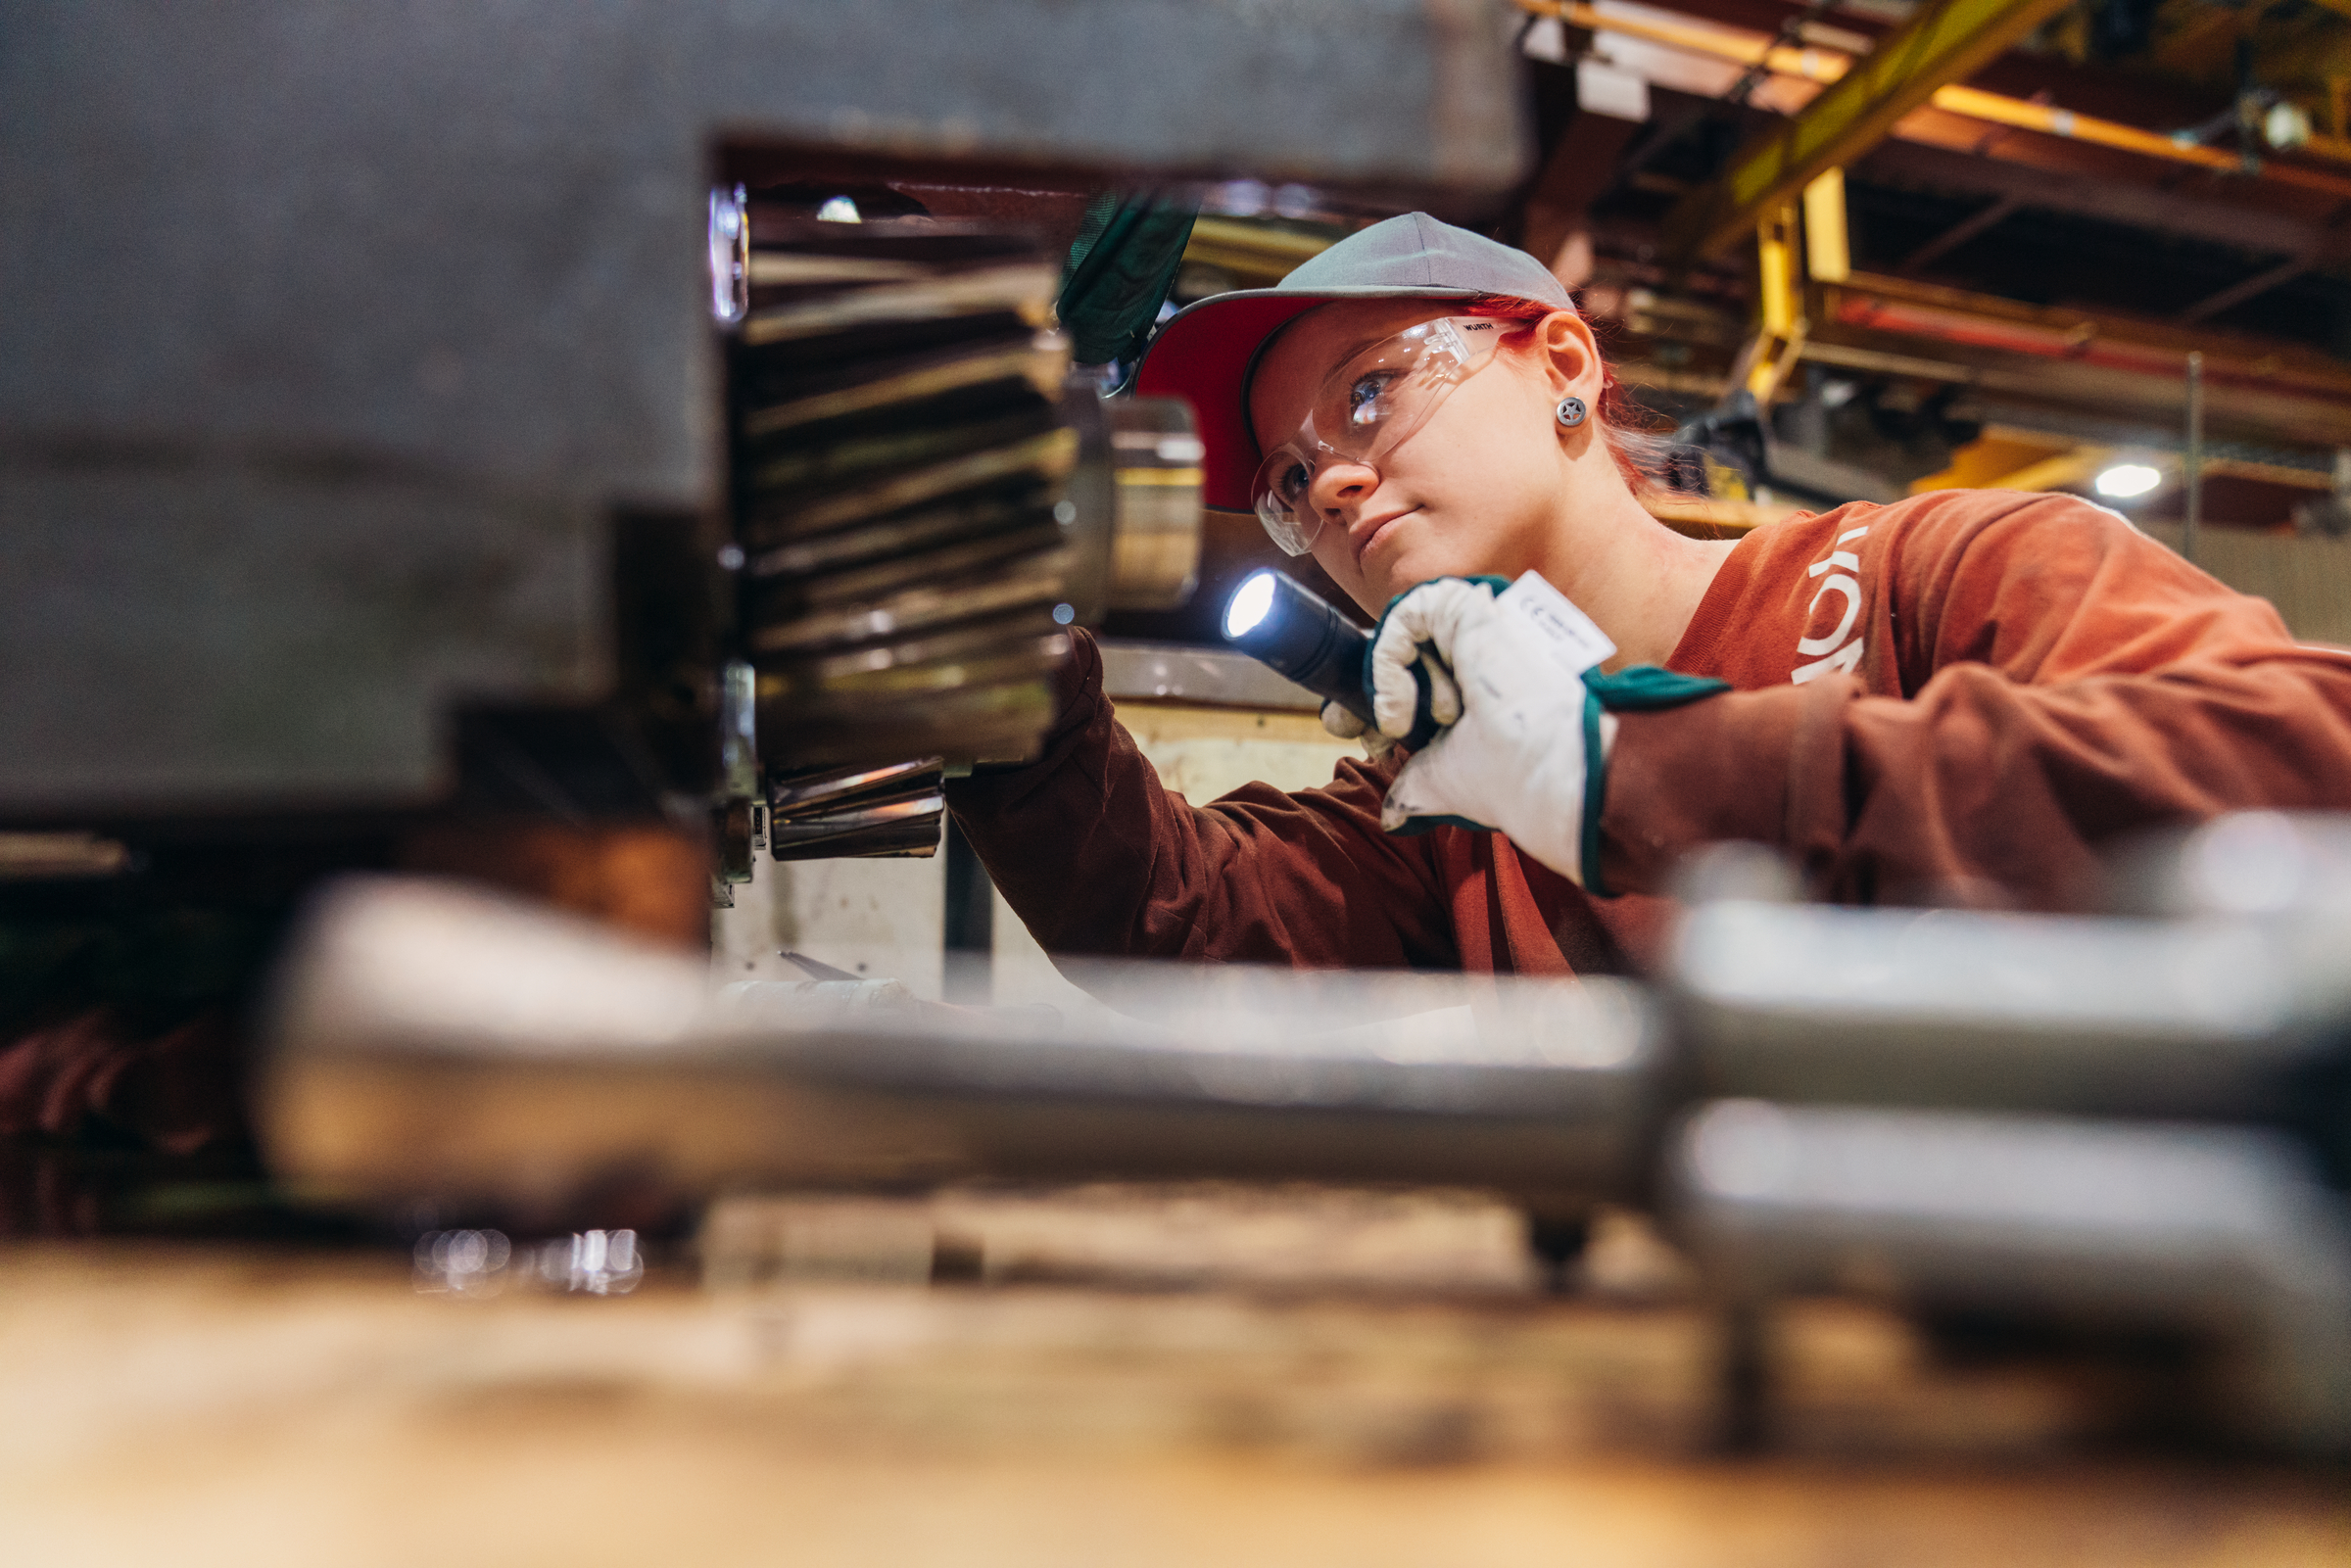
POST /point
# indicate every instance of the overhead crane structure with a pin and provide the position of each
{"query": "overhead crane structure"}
(1826, 66)
(1971, 117)
(1856, 123)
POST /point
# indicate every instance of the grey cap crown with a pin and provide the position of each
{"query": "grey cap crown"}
(1416, 252)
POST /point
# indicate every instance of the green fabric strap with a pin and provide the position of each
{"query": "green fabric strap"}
(1596, 794)
(1648, 688)
(1120, 270)
(1643, 689)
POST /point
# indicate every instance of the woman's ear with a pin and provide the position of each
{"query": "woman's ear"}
(1570, 355)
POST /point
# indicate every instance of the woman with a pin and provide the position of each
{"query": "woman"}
(1954, 697)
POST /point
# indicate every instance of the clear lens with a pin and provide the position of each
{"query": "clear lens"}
(1280, 492)
(1390, 383)
(1294, 532)
(1365, 409)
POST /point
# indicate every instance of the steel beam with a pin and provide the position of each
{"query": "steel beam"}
(1942, 43)
(1579, 168)
(1958, 234)
(2235, 216)
(2238, 293)
(2326, 249)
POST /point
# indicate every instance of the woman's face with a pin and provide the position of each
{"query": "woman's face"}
(1477, 489)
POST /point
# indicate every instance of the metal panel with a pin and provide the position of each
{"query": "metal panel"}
(269, 265)
(206, 634)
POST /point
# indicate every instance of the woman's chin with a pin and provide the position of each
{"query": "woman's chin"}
(1409, 568)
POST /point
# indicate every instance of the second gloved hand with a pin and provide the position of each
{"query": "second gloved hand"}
(1525, 741)
(1342, 721)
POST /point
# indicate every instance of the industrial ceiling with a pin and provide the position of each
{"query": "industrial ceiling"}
(2045, 211)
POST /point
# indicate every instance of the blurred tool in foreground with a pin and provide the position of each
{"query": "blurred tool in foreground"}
(2118, 1125)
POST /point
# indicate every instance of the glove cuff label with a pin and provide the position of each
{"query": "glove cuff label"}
(1575, 642)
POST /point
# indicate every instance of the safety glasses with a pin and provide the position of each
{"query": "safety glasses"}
(1365, 409)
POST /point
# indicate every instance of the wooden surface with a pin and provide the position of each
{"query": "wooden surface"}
(1084, 1399)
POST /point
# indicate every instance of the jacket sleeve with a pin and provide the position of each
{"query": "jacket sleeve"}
(1097, 857)
(2071, 680)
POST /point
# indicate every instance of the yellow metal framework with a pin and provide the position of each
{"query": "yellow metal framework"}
(1783, 320)
(1779, 331)
(1943, 42)
(1827, 256)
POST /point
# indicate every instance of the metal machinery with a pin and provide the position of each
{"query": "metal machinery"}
(349, 365)
(380, 490)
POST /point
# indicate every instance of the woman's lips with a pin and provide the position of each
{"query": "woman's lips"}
(1379, 532)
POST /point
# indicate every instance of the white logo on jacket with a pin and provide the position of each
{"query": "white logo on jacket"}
(1841, 649)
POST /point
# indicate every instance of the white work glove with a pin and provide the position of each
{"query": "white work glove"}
(1522, 745)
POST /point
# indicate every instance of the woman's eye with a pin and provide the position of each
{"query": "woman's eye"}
(1291, 484)
(1364, 397)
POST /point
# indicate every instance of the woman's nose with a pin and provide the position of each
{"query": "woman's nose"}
(1341, 484)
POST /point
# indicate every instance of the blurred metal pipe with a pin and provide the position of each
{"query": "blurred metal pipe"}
(2226, 1236)
(2196, 456)
(433, 1042)
(2205, 1018)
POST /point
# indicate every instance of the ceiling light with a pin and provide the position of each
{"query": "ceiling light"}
(2125, 480)
(2284, 126)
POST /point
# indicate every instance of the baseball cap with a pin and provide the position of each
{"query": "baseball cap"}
(1205, 353)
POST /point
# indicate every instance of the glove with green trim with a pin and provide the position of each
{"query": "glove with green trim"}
(1524, 718)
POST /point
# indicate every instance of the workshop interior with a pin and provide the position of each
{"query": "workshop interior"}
(515, 520)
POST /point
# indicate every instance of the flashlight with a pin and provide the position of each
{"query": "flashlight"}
(1279, 620)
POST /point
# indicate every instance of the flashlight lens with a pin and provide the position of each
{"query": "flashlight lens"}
(1248, 604)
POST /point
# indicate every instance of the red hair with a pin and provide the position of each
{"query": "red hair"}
(1640, 454)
